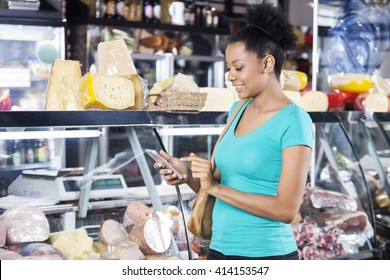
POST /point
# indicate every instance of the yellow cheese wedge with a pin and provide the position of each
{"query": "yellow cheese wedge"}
(106, 92)
(114, 58)
(63, 86)
(293, 80)
(350, 82)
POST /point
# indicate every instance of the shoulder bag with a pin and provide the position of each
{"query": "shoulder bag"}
(200, 221)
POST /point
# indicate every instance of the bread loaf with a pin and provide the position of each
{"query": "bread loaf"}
(63, 86)
(106, 92)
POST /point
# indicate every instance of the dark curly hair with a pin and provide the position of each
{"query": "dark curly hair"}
(267, 31)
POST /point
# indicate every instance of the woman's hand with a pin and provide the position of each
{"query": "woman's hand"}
(169, 176)
(201, 170)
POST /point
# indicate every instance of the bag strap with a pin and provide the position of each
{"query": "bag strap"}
(233, 116)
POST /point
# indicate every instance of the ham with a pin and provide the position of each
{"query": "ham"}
(152, 236)
(136, 212)
(25, 224)
(112, 233)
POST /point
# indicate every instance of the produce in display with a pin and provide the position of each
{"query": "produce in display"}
(337, 101)
(333, 225)
(114, 58)
(106, 92)
(136, 212)
(112, 233)
(293, 80)
(177, 93)
(63, 86)
(3, 234)
(25, 224)
(160, 42)
(74, 245)
(371, 102)
(126, 250)
(314, 101)
(42, 250)
(350, 82)
(218, 99)
(152, 236)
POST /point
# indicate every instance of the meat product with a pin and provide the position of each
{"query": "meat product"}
(309, 252)
(9, 255)
(349, 222)
(323, 199)
(327, 239)
(3, 234)
(136, 212)
(25, 224)
(127, 250)
(112, 233)
(39, 249)
(153, 236)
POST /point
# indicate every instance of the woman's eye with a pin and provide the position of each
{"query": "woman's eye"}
(239, 68)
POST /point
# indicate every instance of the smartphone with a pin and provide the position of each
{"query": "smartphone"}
(158, 158)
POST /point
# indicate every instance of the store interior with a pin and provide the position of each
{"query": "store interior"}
(83, 168)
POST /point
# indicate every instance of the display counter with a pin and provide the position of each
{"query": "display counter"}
(122, 136)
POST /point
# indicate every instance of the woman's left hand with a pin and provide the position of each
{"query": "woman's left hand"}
(202, 171)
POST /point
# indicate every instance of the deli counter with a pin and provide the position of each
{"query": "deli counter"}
(338, 218)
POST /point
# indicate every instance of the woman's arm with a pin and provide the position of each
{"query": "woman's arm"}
(282, 207)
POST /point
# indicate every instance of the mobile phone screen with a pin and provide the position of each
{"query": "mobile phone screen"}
(158, 158)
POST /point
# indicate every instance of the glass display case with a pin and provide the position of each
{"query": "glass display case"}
(27, 50)
(336, 219)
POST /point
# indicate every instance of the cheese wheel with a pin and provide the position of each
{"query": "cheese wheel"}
(314, 101)
(106, 92)
(350, 82)
(63, 86)
(293, 80)
(376, 103)
(138, 91)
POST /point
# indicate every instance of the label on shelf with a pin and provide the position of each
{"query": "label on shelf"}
(15, 77)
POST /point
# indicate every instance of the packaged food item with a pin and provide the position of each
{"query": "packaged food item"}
(350, 82)
(106, 92)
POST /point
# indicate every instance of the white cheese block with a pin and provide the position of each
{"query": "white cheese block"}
(376, 103)
(63, 86)
(314, 101)
(106, 92)
(114, 58)
(294, 96)
(218, 99)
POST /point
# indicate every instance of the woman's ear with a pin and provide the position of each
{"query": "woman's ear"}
(268, 63)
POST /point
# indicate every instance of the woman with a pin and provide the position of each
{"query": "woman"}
(263, 159)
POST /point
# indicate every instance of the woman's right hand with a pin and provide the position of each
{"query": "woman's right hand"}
(169, 176)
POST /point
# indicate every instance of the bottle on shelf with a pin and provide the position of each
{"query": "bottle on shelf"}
(110, 9)
(156, 11)
(148, 11)
(120, 9)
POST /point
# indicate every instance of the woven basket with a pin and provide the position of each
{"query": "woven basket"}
(176, 101)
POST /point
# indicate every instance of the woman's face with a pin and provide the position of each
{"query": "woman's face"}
(245, 71)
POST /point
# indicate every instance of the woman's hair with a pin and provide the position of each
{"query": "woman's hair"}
(267, 31)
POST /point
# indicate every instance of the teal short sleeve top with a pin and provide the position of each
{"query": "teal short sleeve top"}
(252, 163)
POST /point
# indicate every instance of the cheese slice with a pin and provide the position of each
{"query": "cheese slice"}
(63, 86)
(218, 99)
(106, 92)
(114, 58)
